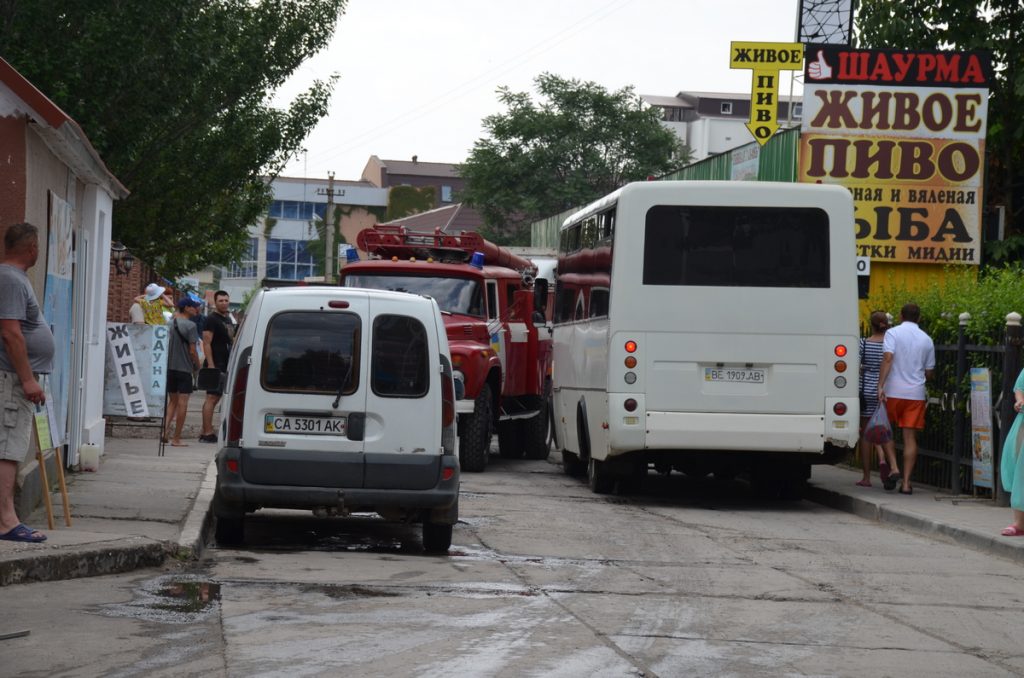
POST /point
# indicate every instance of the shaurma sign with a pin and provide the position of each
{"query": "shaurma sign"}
(905, 132)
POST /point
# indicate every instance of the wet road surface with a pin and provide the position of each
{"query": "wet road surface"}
(544, 578)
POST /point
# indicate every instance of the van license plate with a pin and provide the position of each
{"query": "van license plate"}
(328, 426)
(734, 375)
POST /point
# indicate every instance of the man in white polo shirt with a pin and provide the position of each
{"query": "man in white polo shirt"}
(908, 359)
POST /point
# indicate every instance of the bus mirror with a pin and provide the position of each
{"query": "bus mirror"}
(540, 295)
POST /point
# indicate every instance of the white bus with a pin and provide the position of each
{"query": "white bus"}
(707, 326)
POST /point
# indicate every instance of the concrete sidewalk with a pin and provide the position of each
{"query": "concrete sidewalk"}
(141, 509)
(136, 511)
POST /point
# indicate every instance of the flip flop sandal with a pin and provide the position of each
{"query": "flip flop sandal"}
(863, 483)
(890, 482)
(1012, 531)
(22, 532)
(909, 490)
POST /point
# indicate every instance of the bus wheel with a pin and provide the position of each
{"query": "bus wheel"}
(572, 465)
(534, 432)
(793, 483)
(509, 443)
(598, 477)
(476, 437)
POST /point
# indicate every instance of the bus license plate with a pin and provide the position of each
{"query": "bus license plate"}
(327, 426)
(734, 375)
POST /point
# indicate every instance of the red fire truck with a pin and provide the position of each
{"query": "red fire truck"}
(494, 315)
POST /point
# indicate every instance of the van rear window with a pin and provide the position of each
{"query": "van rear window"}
(311, 352)
(725, 246)
(401, 360)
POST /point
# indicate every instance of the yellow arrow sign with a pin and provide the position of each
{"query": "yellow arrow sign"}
(766, 59)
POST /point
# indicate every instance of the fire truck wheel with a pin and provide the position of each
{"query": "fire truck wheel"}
(534, 432)
(476, 436)
(510, 444)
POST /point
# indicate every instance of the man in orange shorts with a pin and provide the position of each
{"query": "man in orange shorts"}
(908, 359)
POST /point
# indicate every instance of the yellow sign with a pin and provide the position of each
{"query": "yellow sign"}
(766, 59)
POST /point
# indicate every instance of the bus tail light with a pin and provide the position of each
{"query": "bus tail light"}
(840, 350)
(839, 409)
(631, 361)
(630, 346)
(630, 405)
(840, 366)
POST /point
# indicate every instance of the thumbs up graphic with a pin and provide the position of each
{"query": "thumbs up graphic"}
(819, 68)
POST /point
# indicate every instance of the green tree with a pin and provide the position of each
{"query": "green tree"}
(993, 25)
(576, 144)
(175, 96)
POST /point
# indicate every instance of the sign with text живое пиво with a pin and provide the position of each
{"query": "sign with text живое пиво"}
(904, 130)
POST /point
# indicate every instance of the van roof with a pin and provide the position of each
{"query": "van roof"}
(337, 292)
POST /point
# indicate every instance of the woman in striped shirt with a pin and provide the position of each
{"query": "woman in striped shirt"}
(870, 364)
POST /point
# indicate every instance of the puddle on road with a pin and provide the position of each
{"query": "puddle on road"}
(169, 599)
(351, 591)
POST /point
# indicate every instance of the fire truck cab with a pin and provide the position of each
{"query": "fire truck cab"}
(494, 315)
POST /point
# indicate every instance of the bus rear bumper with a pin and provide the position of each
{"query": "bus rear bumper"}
(711, 431)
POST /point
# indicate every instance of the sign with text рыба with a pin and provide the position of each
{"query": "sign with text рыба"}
(905, 132)
(766, 59)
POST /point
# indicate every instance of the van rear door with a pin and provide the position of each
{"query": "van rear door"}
(309, 425)
(403, 398)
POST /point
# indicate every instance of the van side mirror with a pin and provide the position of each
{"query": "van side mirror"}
(540, 295)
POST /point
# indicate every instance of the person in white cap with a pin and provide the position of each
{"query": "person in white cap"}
(149, 306)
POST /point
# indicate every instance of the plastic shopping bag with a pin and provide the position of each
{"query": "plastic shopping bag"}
(878, 430)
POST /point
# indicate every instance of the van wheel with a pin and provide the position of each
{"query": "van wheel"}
(230, 525)
(509, 443)
(476, 437)
(437, 538)
(598, 477)
(535, 432)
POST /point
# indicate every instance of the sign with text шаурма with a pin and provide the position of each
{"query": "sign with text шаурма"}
(904, 131)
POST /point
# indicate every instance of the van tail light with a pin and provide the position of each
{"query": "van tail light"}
(237, 413)
(447, 407)
(839, 409)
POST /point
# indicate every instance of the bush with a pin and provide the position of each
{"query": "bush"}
(988, 297)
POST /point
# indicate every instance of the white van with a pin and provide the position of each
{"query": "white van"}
(340, 400)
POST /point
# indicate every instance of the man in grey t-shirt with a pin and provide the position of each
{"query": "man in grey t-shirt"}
(182, 362)
(26, 352)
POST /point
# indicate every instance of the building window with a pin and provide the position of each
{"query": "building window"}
(296, 209)
(446, 193)
(247, 265)
(288, 259)
(798, 110)
(726, 108)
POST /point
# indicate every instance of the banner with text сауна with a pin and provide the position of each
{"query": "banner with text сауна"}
(905, 132)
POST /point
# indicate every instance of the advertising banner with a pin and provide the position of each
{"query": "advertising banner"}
(905, 132)
(57, 296)
(136, 371)
(981, 426)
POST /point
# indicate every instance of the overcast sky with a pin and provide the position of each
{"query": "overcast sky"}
(417, 77)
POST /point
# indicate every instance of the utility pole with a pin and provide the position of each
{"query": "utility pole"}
(329, 230)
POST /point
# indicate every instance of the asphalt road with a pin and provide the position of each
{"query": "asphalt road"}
(685, 578)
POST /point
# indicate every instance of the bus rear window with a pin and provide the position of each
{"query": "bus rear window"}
(723, 246)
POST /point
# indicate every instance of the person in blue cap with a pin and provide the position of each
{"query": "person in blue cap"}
(182, 363)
